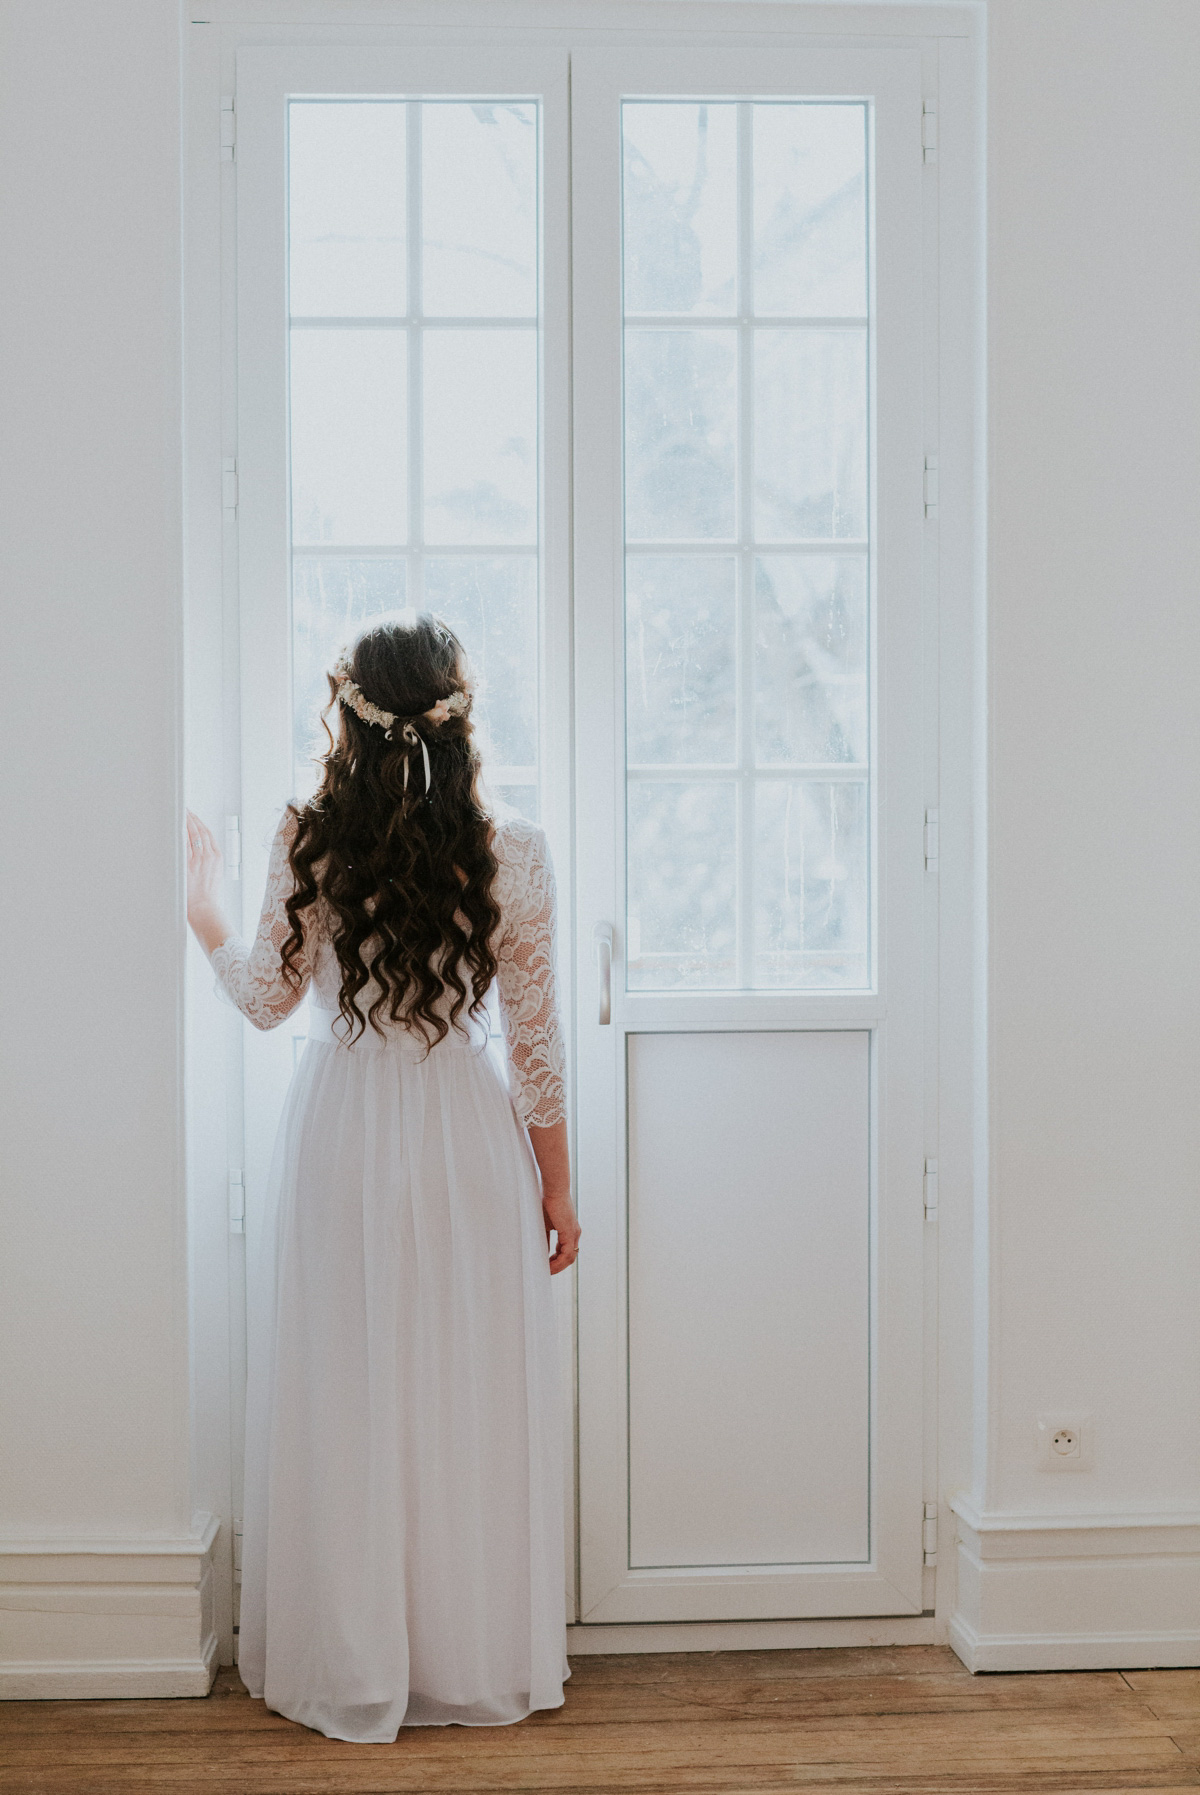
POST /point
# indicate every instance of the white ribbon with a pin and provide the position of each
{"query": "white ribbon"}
(412, 737)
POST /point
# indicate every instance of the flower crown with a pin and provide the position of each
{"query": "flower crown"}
(351, 695)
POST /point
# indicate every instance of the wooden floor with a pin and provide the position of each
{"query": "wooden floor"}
(907, 1719)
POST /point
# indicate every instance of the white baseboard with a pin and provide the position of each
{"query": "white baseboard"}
(118, 1679)
(753, 1635)
(1103, 1591)
(1074, 1651)
(90, 1619)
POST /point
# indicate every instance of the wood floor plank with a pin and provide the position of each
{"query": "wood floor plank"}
(875, 1721)
(841, 1661)
(694, 1699)
(749, 1738)
(1171, 1693)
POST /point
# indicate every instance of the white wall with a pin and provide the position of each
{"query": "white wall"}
(93, 1310)
(1095, 542)
(1094, 374)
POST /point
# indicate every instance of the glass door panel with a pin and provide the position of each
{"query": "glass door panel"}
(746, 255)
(414, 282)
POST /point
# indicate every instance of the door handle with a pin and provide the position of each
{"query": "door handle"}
(602, 935)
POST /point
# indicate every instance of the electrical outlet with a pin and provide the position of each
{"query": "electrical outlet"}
(1064, 1441)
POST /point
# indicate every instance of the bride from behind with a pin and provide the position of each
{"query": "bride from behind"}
(403, 1534)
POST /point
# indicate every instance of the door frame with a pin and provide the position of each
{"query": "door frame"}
(952, 38)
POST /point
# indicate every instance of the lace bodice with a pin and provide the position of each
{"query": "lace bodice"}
(252, 974)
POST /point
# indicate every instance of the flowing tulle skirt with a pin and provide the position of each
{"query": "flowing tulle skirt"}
(403, 1531)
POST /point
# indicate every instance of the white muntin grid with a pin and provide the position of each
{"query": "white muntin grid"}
(415, 551)
(746, 773)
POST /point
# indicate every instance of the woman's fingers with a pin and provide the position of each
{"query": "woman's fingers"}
(201, 840)
(566, 1249)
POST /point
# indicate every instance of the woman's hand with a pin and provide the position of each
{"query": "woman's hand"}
(558, 1213)
(204, 885)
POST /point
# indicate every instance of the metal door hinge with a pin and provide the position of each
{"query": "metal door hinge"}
(931, 486)
(233, 847)
(228, 127)
(229, 484)
(929, 1533)
(237, 1204)
(931, 841)
(931, 1190)
(929, 142)
(237, 1549)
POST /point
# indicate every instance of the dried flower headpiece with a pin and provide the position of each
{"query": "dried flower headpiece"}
(351, 695)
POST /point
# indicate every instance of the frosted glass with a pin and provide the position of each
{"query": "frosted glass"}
(346, 189)
(479, 209)
(331, 601)
(681, 916)
(810, 658)
(680, 434)
(810, 434)
(491, 605)
(480, 461)
(681, 658)
(810, 210)
(679, 170)
(348, 436)
(811, 908)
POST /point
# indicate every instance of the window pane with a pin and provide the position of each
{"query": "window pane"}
(480, 463)
(348, 436)
(810, 658)
(810, 922)
(331, 601)
(464, 397)
(680, 434)
(479, 210)
(681, 917)
(810, 196)
(679, 168)
(346, 193)
(681, 659)
(751, 660)
(491, 605)
(810, 434)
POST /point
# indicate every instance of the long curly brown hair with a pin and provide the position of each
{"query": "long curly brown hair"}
(405, 874)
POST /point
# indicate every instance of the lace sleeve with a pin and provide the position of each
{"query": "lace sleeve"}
(525, 977)
(252, 976)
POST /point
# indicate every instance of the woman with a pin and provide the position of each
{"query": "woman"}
(403, 1546)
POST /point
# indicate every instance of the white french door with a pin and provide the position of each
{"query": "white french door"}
(680, 531)
(748, 549)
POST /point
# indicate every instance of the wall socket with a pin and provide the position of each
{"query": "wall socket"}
(1064, 1441)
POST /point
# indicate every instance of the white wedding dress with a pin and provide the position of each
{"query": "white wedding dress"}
(403, 1520)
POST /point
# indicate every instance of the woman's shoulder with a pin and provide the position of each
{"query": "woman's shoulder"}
(519, 846)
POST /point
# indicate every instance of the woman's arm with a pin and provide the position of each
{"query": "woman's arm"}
(550, 1150)
(529, 1005)
(252, 975)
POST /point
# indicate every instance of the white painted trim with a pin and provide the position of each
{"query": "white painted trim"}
(754, 1636)
(1019, 1521)
(93, 1618)
(197, 1544)
(1074, 1651)
(1100, 1591)
(111, 1679)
